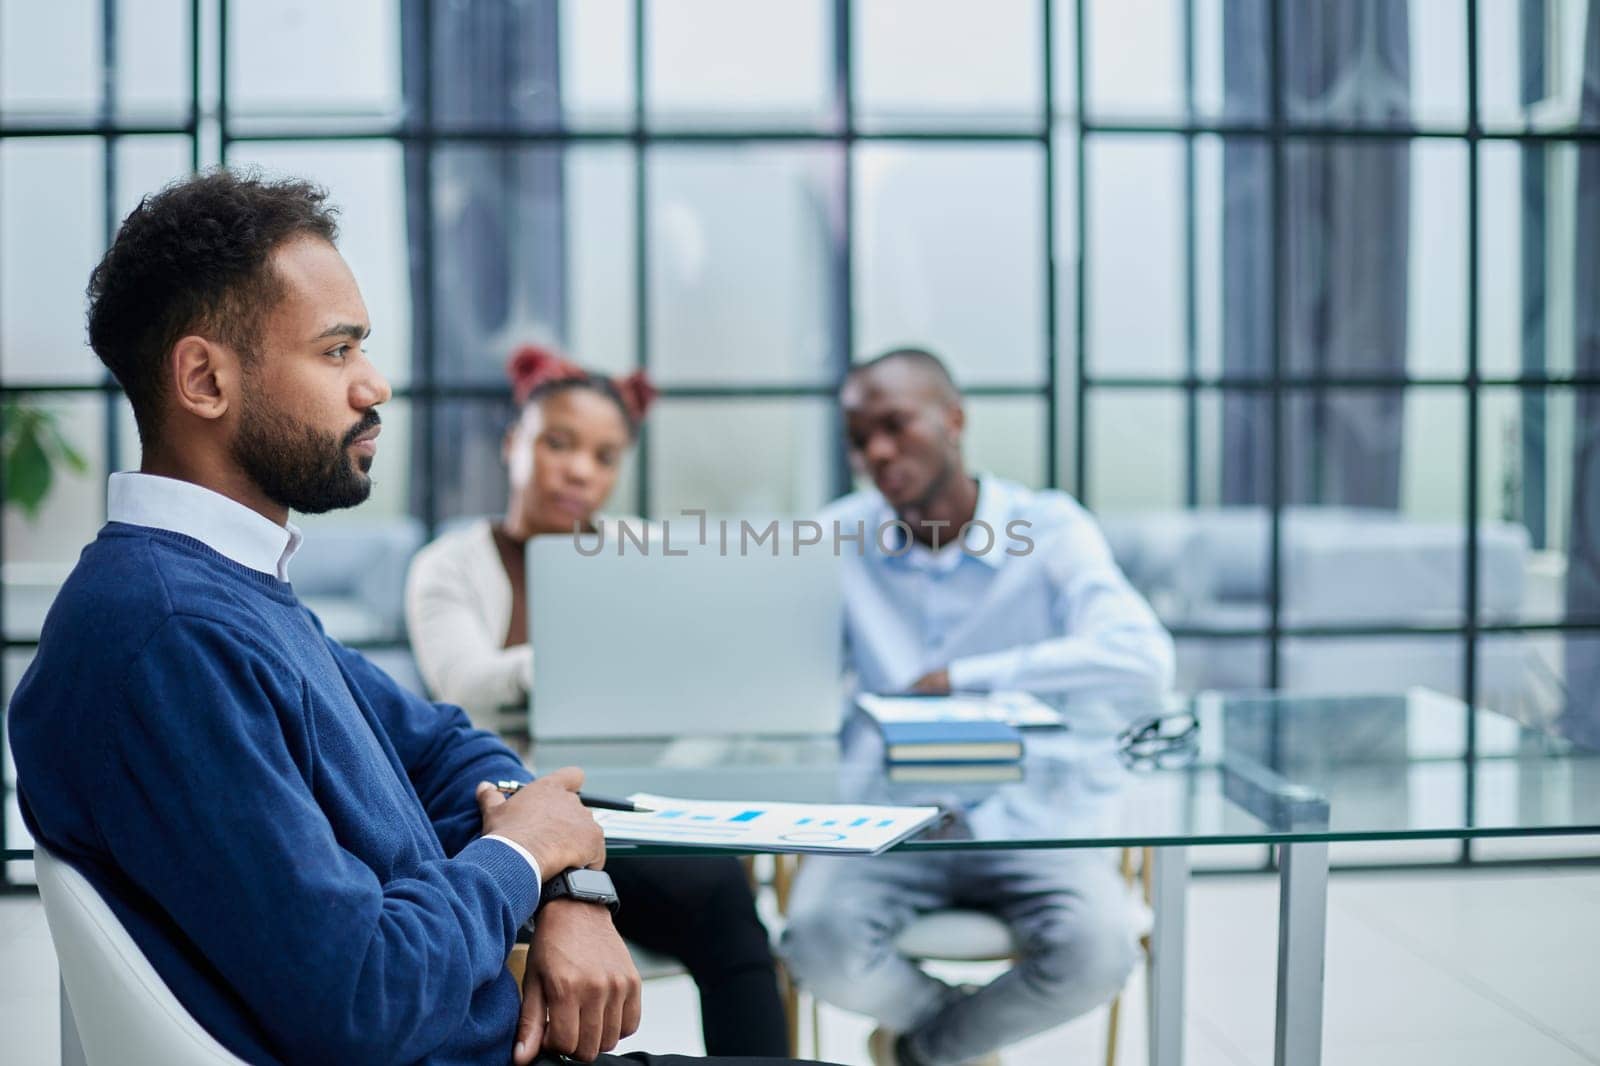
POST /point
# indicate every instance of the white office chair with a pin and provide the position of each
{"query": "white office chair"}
(957, 935)
(125, 1013)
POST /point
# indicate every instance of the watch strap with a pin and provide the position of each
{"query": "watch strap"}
(560, 887)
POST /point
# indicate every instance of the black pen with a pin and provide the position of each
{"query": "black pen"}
(588, 799)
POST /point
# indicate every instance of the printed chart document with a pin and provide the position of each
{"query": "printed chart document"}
(1019, 709)
(820, 827)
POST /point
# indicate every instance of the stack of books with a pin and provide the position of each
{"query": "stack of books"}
(953, 739)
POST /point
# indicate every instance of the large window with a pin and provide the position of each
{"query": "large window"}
(1298, 296)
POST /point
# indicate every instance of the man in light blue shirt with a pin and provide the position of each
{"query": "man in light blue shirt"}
(968, 583)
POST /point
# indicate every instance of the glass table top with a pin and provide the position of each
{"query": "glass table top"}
(1257, 769)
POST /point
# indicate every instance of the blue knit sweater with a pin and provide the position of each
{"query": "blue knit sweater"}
(287, 834)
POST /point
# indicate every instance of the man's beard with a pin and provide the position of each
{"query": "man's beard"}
(297, 466)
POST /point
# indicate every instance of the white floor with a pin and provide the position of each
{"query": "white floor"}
(1464, 969)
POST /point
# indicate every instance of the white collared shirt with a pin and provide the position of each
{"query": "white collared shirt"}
(228, 528)
(1033, 600)
(225, 526)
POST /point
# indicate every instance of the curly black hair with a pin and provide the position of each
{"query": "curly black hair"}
(193, 259)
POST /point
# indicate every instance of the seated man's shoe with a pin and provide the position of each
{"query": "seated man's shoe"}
(884, 1046)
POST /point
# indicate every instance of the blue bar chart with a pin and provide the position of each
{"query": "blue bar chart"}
(755, 827)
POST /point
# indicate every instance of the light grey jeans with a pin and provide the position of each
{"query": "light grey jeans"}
(1068, 911)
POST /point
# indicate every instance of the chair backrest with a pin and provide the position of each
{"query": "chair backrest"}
(124, 1012)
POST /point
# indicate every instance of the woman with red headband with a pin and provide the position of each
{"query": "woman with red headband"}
(466, 602)
(466, 609)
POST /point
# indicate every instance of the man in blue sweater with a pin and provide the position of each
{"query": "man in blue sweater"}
(306, 852)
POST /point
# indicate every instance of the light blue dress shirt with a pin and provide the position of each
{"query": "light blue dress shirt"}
(1044, 608)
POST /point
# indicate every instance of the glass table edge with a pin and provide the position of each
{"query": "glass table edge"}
(1138, 841)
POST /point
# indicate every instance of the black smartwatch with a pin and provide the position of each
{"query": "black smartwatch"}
(587, 886)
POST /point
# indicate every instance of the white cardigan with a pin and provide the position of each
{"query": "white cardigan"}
(458, 605)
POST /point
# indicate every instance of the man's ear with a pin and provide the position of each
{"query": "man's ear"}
(205, 377)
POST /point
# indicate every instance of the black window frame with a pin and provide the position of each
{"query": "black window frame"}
(1067, 383)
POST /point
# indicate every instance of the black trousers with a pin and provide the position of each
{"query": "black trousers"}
(700, 911)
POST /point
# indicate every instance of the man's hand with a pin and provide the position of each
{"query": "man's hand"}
(936, 683)
(580, 993)
(546, 818)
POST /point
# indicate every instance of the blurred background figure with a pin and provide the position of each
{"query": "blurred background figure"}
(466, 594)
(1000, 587)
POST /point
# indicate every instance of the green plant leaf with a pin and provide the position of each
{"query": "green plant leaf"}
(31, 444)
(28, 473)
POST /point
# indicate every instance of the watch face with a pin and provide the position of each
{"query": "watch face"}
(591, 882)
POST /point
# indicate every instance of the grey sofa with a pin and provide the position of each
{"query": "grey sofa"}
(1208, 568)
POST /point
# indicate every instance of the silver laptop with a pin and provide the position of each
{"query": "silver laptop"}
(636, 644)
